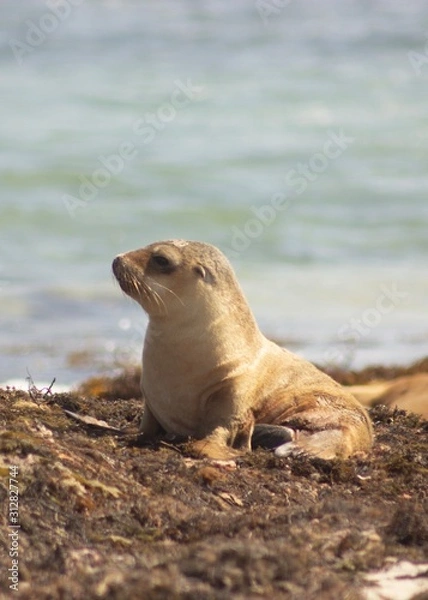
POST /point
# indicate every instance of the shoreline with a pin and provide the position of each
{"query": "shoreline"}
(403, 386)
(343, 375)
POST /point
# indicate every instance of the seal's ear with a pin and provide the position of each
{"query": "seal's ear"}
(204, 273)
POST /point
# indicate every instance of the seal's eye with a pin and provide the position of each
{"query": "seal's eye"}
(161, 261)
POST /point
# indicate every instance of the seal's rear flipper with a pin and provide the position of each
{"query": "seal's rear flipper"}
(271, 436)
(328, 444)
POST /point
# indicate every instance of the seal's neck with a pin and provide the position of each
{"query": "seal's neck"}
(212, 337)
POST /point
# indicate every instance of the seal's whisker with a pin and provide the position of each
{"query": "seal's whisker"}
(159, 300)
(135, 284)
(164, 287)
(150, 292)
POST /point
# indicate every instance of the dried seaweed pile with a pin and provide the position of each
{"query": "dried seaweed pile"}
(103, 518)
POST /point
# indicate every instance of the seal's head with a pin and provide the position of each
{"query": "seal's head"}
(173, 276)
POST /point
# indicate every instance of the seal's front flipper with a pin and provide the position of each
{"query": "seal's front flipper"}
(149, 425)
(271, 436)
(211, 449)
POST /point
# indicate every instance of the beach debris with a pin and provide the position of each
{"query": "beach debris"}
(401, 581)
(34, 392)
(92, 421)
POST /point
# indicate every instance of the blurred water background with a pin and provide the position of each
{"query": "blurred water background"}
(291, 134)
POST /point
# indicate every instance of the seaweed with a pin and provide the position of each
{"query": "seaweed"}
(104, 518)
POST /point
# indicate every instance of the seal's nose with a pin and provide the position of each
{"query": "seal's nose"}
(117, 265)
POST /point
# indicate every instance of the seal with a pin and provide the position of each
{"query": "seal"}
(209, 374)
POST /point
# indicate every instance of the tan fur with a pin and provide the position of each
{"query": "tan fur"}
(409, 393)
(210, 374)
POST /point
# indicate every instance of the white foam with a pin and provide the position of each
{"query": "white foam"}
(22, 384)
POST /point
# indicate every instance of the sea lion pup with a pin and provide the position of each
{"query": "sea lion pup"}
(210, 374)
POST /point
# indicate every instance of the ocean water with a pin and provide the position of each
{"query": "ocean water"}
(293, 135)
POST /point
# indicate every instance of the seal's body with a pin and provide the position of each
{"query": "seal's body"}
(210, 374)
